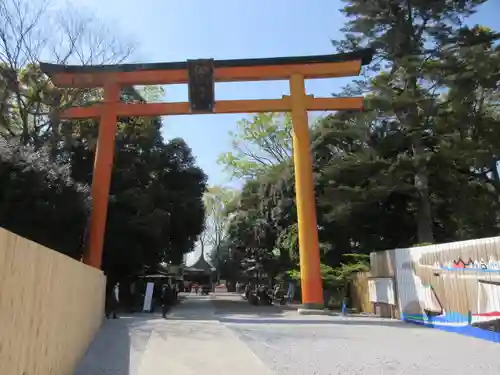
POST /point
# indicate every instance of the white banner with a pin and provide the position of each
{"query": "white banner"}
(148, 297)
(381, 290)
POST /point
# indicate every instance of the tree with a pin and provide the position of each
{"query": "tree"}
(409, 36)
(216, 201)
(57, 205)
(364, 201)
(262, 150)
(156, 210)
(39, 200)
(30, 31)
(336, 279)
(263, 142)
(264, 211)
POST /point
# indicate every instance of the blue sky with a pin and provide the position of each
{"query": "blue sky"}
(175, 30)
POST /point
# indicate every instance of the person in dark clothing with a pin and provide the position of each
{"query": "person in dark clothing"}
(111, 303)
(263, 294)
(175, 294)
(248, 290)
(165, 300)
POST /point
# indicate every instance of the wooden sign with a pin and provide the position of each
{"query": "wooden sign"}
(201, 85)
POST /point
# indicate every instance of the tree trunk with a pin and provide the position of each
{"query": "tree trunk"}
(54, 119)
(421, 179)
(424, 214)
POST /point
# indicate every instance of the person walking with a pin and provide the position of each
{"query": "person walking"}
(247, 291)
(112, 300)
(290, 294)
(165, 300)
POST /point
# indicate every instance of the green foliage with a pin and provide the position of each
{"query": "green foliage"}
(424, 55)
(293, 274)
(152, 93)
(288, 241)
(422, 244)
(218, 201)
(39, 200)
(258, 144)
(338, 276)
(156, 211)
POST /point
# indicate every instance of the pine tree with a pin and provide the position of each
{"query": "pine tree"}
(408, 36)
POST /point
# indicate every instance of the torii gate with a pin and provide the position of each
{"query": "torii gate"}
(200, 75)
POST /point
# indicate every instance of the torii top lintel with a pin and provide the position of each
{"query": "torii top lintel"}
(323, 66)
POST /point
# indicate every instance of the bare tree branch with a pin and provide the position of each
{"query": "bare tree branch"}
(31, 31)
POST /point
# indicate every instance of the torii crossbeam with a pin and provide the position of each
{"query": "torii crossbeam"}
(200, 76)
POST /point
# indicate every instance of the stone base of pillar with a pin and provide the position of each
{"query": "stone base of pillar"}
(314, 310)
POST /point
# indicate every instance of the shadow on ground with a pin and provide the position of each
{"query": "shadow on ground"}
(235, 310)
(234, 306)
(213, 309)
(117, 346)
(327, 321)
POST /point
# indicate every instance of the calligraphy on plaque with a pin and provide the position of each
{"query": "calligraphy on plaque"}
(201, 85)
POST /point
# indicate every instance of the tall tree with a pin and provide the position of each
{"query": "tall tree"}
(216, 200)
(156, 210)
(263, 142)
(408, 36)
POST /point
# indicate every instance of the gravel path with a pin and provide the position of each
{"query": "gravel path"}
(222, 335)
(294, 345)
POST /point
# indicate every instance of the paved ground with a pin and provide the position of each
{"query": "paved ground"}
(223, 335)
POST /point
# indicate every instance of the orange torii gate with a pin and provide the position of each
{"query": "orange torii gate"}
(200, 76)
